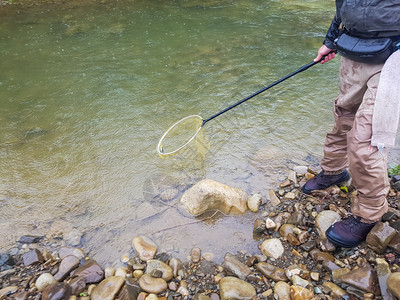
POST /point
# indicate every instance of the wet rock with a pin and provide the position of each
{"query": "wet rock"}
(272, 272)
(201, 297)
(292, 239)
(308, 246)
(66, 251)
(234, 288)
(133, 288)
(282, 291)
(234, 267)
(290, 196)
(176, 265)
(30, 239)
(108, 272)
(301, 170)
(259, 226)
(144, 247)
(300, 293)
(122, 271)
(73, 238)
(44, 281)
(68, 264)
(108, 288)
(77, 284)
(32, 257)
(380, 236)
(272, 248)
(91, 271)
(383, 273)
(254, 202)
(269, 224)
(324, 258)
(195, 254)
(335, 291)
(6, 260)
(327, 246)
(153, 285)
(7, 290)
(212, 195)
(157, 265)
(303, 236)
(393, 283)
(285, 183)
(57, 291)
(273, 198)
(296, 218)
(395, 225)
(183, 291)
(298, 281)
(336, 274)
(395, 243)
(206, 267)
(285, 230)
(325, 219)
(169, 194)
(361, 278)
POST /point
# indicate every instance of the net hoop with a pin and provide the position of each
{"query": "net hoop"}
(159, 146)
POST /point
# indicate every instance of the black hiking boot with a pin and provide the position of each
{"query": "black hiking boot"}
(349, 233)
(322, 181)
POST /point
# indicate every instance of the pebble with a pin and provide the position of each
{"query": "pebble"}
(108, 288)
(235, 288)
(157, 265)
(282, 291)
(234, 267)
(144, 247)
(300, 293)
(68, 264)
(254, 202)
(44, 281)
(273, 198)
(195, 254)
(152, 285)
(272, 248)
(108, 272)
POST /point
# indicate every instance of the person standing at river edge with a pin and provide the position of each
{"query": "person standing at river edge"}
(349, 143)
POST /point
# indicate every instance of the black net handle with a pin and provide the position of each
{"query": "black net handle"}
(303, 68)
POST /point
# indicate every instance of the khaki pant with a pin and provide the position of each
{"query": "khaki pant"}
(348, 145)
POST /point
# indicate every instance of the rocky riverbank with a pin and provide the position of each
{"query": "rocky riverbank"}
(295, 260)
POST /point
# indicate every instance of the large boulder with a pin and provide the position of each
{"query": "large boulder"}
(212, 195)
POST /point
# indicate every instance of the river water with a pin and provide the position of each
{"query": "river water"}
(88, 88)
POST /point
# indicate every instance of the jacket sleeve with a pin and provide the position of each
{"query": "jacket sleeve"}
(333, 33)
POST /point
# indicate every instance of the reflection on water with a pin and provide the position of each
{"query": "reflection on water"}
(87, 89)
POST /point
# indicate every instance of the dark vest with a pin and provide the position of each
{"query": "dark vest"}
(370, 17)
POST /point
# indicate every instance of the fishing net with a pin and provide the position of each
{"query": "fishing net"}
(181, 134)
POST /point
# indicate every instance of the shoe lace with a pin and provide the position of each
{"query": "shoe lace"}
(354, 224)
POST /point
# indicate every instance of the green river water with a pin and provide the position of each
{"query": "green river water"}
(88, 88)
